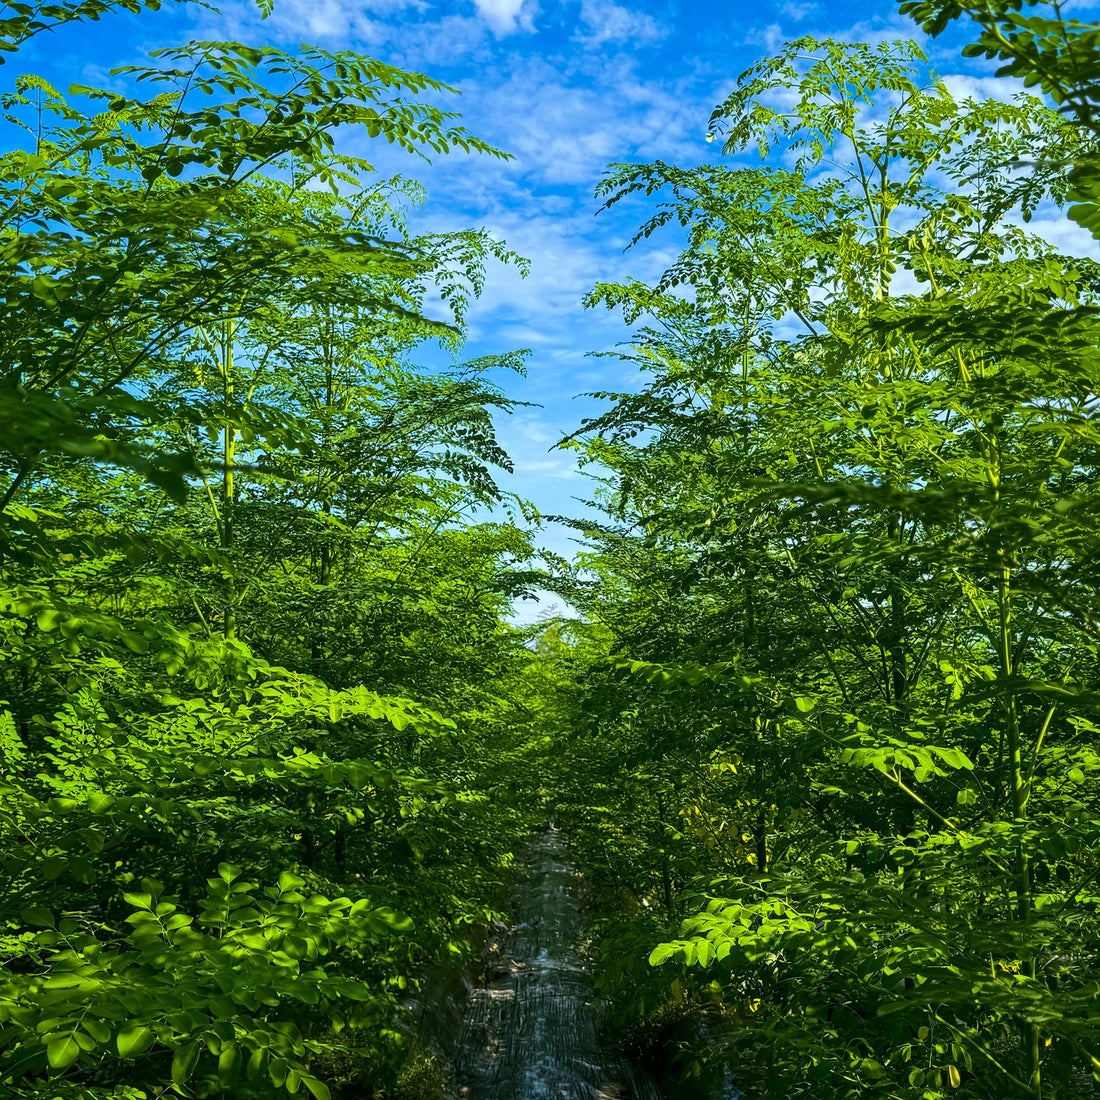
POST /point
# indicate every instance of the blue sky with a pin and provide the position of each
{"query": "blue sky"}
(566, 86)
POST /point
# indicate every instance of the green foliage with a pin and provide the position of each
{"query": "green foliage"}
(195, 986)
(259, 705)
(825, 737)
(126, 231)
(847, 668)
(1037, 44)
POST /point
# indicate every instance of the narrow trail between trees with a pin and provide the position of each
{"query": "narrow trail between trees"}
(530, 1030)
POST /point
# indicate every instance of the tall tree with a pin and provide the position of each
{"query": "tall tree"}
(834, 577)
(219, 871)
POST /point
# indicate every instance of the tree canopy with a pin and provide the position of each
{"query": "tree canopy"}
(823, 736)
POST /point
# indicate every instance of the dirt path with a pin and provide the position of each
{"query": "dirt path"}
(530, 1032)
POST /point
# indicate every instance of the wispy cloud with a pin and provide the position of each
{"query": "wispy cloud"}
(797, 10)
(967, 86)
(604, 21)
(508, 16)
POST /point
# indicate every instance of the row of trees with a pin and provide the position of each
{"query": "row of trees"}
(257, 693)
(829, 719)
(838, 676)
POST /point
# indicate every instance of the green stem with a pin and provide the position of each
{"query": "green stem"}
(1029, 1031)
(229, 443)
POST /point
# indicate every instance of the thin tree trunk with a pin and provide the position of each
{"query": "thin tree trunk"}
(1029, 1031)
(229, 625)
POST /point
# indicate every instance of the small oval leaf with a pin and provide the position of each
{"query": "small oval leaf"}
(133, 1040)
(62, 1051)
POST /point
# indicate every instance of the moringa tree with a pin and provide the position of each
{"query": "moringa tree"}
(862, 493)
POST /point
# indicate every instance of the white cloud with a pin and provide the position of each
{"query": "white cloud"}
(1066, 236)
(564, 128)
(797, 10)
(507, 16)
(605, 21)
(965, 86)
(771, 37)
(321, 21)
(319, 18)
